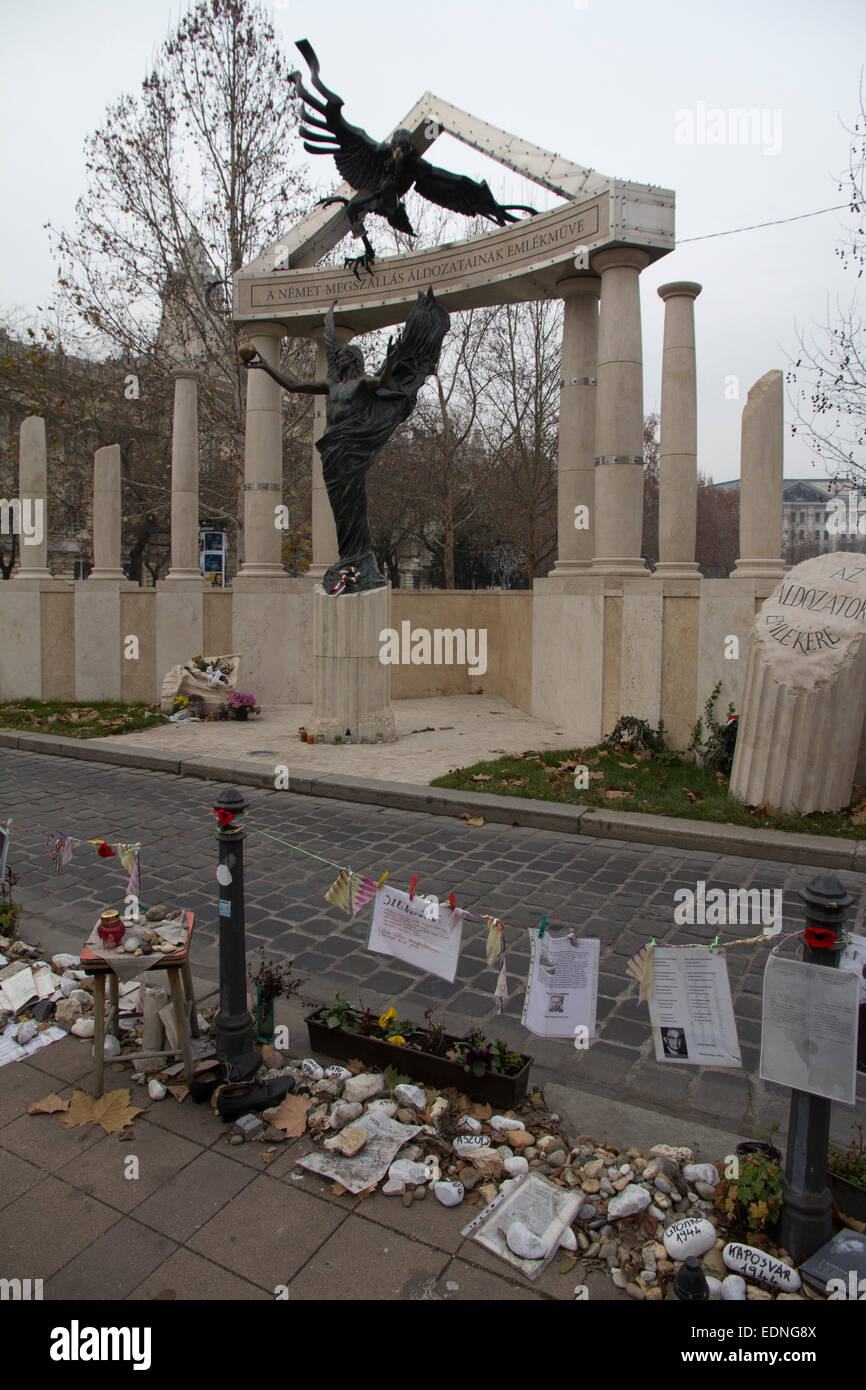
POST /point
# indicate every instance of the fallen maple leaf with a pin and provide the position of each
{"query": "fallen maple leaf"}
(479, 1111)
(356, 1066)
(472, 820)
(338, 1189)
(47, 1105)
(291, 1115)
(368, 1192)
(693, 796)
(112, 1111)
(180, 1093)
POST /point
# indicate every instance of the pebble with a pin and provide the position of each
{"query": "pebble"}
(404, 1170)
(662, 1185)
(516, 1165)
(419, 1194)
(393, 1188)
(590, 1185)
(654, 1295)
(756, 1264)
(655, 1212)
(82, 997)
(412, 1096)
(311, 1069)
(628, 1203)
(405, 1115)
(525, 1243)
(705, 1190)
(504, 1151)
(594, 1168)
(468, 1144)
(568, 1240)
(131, 944)
(693, 1236)
(733, 1289)
(467, 1124)
(449, 1193)
(488, 1163)
(609, 1250)
(556, 1158)
(236, 1139)
(756, 1295)
(618, 1278)
(27, 1031)
(384, 1107)
(506, 1122)
(64, 961)
(715, 1286)
(156, 1090)
(520, 1139)
(337, 1074)
(701, 1172)
(111, 1047)
(328, 1090)
(679, 1155)
(349, 1141)
(587, 1211)
(489, 1191)
(344, 1112)
(364, 1087)
(635, 1291)
(408, 1199)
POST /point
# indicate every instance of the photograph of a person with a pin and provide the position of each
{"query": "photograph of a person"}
(674, 1042)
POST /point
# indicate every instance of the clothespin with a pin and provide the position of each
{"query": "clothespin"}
(413, 884)
(381, 880)
(452, 902)
(543, 926)
(714, 943)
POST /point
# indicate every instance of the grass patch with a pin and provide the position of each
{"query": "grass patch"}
(667, 785)
(78, 720)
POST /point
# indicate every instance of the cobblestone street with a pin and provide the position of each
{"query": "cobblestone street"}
(621, 893)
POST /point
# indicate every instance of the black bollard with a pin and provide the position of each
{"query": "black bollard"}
(234, 1025)
(806, 1222)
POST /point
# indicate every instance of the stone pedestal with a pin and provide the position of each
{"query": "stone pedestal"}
(805, 695)
(761, 462)
(351, 686)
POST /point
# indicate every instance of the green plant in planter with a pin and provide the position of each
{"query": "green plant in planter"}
(850, 1162)
(342, 1014)
(753, 1201)
(479, 1056)
(10, 914)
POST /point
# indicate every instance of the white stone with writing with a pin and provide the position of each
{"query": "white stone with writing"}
(311, 1069)
(757, 1264)
(468, 1144)
(692, 1236)
(805, 693)
(407, 1094)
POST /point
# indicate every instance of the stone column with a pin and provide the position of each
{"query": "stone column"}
(678, 462)
(761, 462)
(325, 547)
(184, 479)
(106, 514)
(577, 389)
(33, 514)
(619, 415)
(263, 459)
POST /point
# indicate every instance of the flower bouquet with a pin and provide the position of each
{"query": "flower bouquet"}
(243, 704)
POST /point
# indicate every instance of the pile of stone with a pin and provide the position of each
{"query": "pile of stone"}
(642, 1216)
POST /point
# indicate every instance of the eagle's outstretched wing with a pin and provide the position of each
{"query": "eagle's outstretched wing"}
(359, 158)
(420, 343)
(461, 194)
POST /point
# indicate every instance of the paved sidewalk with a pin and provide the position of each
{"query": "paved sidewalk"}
(209, 1220)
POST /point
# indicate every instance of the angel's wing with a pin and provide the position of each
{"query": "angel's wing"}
(461, 194)
(420, 343)
(359, 158)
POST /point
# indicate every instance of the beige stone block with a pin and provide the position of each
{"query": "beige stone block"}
(20, 642)
(139, 679)
(98, 650)
(272, 630)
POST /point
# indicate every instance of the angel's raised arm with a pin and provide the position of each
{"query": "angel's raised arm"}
(251, 358)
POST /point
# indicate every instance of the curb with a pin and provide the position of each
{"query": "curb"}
(820, 851)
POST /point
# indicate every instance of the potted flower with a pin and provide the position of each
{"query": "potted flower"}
(487, 1070)
(243, 704)
(271, 980)
(846, 1176)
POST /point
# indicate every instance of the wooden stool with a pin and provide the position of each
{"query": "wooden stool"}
(182, 997)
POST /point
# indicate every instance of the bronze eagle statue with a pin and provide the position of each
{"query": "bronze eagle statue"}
(382, 171)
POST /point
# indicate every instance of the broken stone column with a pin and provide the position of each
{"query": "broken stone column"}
(33, 512)
(678, 462)
(184, 478)
(761, 458)
(802, 712)
(106, 514)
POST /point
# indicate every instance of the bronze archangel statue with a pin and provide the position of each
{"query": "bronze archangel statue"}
(362, 413)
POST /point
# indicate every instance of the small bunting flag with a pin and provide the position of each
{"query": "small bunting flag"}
(350, 891)
(640, 967)
(61, 851)
(495, 936)
(129, 856)
(500, 994)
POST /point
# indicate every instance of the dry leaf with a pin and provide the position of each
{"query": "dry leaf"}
(628, 764)
(613, 794)
(568, 1266)
(859, 816)
(180, 1093)
(692, 796)
(479, 1111)
(356, 1067)
(517, 781)
(472, 820)
(112, 1111)
(338, 1189)
(47, 1105)
(368, 1192)
(268, 1050)
(481, 777)
(267, 1155)
(291, 1115)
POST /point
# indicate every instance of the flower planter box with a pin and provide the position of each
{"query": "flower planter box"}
(502, 1092)
(849, 1198)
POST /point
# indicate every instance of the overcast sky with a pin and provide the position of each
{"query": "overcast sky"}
(600, 83)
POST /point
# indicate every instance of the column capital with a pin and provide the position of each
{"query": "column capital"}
(267, 329)
(578, 284)
(686, 289)
(186, 374)
(632, 257)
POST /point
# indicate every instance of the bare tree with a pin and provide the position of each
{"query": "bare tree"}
(829, 376)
